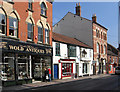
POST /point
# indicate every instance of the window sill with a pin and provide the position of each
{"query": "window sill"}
(57, 55)
(39, 42)
(43, 15)
(13, 37)
(28, 40)
(30, 10)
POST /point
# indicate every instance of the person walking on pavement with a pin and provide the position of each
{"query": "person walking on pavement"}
(46, 74)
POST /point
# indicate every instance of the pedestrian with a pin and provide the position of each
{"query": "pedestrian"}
(49, 74)
(46, 74)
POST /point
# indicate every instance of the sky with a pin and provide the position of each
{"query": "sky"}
(106, 12)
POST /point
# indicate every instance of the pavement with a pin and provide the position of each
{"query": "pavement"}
(38, 84)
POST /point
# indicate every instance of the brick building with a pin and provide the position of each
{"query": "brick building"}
(88, 31)
(99, 45)
(113, 59)
(26, 40)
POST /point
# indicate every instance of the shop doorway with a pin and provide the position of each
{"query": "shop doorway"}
(55, 71)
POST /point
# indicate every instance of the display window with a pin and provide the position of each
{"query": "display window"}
(7, 67)
(66, 69)
(23, 67)
(39, 66)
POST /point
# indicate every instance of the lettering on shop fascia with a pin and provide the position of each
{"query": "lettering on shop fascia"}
(25, 48)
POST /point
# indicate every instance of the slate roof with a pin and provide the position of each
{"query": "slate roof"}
(68, 40)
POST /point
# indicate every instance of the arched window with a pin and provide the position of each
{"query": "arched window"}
(101, 49)
(30, 29)
(30, 4)
(43, 9)
(2, 22)
(40, 33)
(104, 49)
(13, 25)
(97, 47)
(47, 34)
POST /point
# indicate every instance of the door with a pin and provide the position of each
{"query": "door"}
(77, 69)
(55, 71)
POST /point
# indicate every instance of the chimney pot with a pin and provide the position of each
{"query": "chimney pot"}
(78, 9)
(94, 18)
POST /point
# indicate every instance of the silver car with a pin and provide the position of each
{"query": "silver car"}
(117, 70)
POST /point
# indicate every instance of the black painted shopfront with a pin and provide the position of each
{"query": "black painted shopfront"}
(23, 62)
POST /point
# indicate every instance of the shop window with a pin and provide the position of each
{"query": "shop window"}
(30, 4)
(2, 24)
(40, 34)
(66, 69)
(30, 31)
(47, 35)
(23, 67)
(57, 49)
(43, 9)
(7, 67)
(13, 26)
(71, 51)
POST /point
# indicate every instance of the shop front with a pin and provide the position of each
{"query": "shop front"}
(67, 69)
(22, 62)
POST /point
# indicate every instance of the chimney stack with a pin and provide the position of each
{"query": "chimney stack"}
(78, 9)
(94, 18)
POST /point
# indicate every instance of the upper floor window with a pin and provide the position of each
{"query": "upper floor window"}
(101, 49)
(97, 33)
(110, 60)
(30, 30)
(104, 36)
(57, 49)
(43, 9)
(97, 47)
(113, 60)
(101, 35)
(47, 30)
(71, 51)
(30, 4)
(104, 49)
(2, 24)
(40, 33)
(84, 53)
(13, 26)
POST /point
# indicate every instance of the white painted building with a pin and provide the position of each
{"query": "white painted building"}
(70, 56)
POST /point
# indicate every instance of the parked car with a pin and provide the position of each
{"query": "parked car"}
(117, 70)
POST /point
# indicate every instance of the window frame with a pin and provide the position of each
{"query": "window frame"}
(30, 4)
(47, 35)
(40, 34)
(71, 51)
(57, 49)
(31, 39)
(12, 27)
(43, 9)
(3, 25)
(98, 48)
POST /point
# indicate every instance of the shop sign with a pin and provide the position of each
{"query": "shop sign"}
(25, 48)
